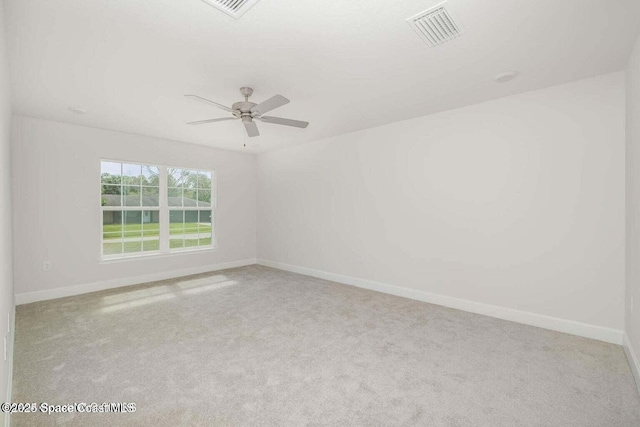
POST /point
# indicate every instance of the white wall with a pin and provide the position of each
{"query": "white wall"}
(6, 267)
(56, 169)
(516, 203)
(632, 320)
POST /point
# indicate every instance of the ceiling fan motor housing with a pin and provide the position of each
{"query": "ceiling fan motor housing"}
(244, 107)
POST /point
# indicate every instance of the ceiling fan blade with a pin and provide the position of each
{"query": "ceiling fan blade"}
(270, 104)
(201, 122)
(252, 129)
(206, 101)
(286, 122)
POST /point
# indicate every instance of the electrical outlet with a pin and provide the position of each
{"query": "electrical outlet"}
(46, 266)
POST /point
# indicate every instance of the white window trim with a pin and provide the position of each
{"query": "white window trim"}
(164, 210)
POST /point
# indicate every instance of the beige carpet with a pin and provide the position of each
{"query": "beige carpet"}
(257, 346)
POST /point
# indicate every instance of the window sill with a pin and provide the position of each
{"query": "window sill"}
(155, 255)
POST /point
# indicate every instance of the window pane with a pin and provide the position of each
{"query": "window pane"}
(131, 196)
(190, 179)
(133, 218)
(176, 216)
(150, 176)
(132, 225)
(151, 245)
(204, 228)
(176, 229)
(204, 180)
(190, 197)
(111, 173)
(191, 226)
(175, 196)
(132, 246)
(175, 243)
(150, 196)
(111, 232)
(174, 177)
(111, 195)
(150, 230)
(176, 222)
(111, 248)
(188, 243)
(191, 217)
(131, 174)
(132, 231)
(150, 223)
(112, 225)
(205, 218)
(204, 198)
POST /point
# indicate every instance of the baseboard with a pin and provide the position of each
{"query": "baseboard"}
(634, 362)
(542, 321)
(49, 294)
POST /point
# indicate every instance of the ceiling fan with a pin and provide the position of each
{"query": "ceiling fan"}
(250, 111)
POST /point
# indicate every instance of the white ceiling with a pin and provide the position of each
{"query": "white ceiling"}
(345, 65)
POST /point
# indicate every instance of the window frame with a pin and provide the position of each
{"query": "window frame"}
(163, 209)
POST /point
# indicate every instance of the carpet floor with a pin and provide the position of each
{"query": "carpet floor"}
(255, 346)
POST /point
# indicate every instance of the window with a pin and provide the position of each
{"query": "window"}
(189, 198)
(149, 209)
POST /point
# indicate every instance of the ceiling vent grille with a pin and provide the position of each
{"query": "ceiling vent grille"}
(235, 8)
(435, 26)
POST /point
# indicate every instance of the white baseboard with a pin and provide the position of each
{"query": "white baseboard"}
(542, 321)
(634, 362)
(48, 294)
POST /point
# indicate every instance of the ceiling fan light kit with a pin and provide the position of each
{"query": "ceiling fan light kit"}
(248, 111)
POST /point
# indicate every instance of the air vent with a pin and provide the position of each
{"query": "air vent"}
(435, 26)
(235, 8)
